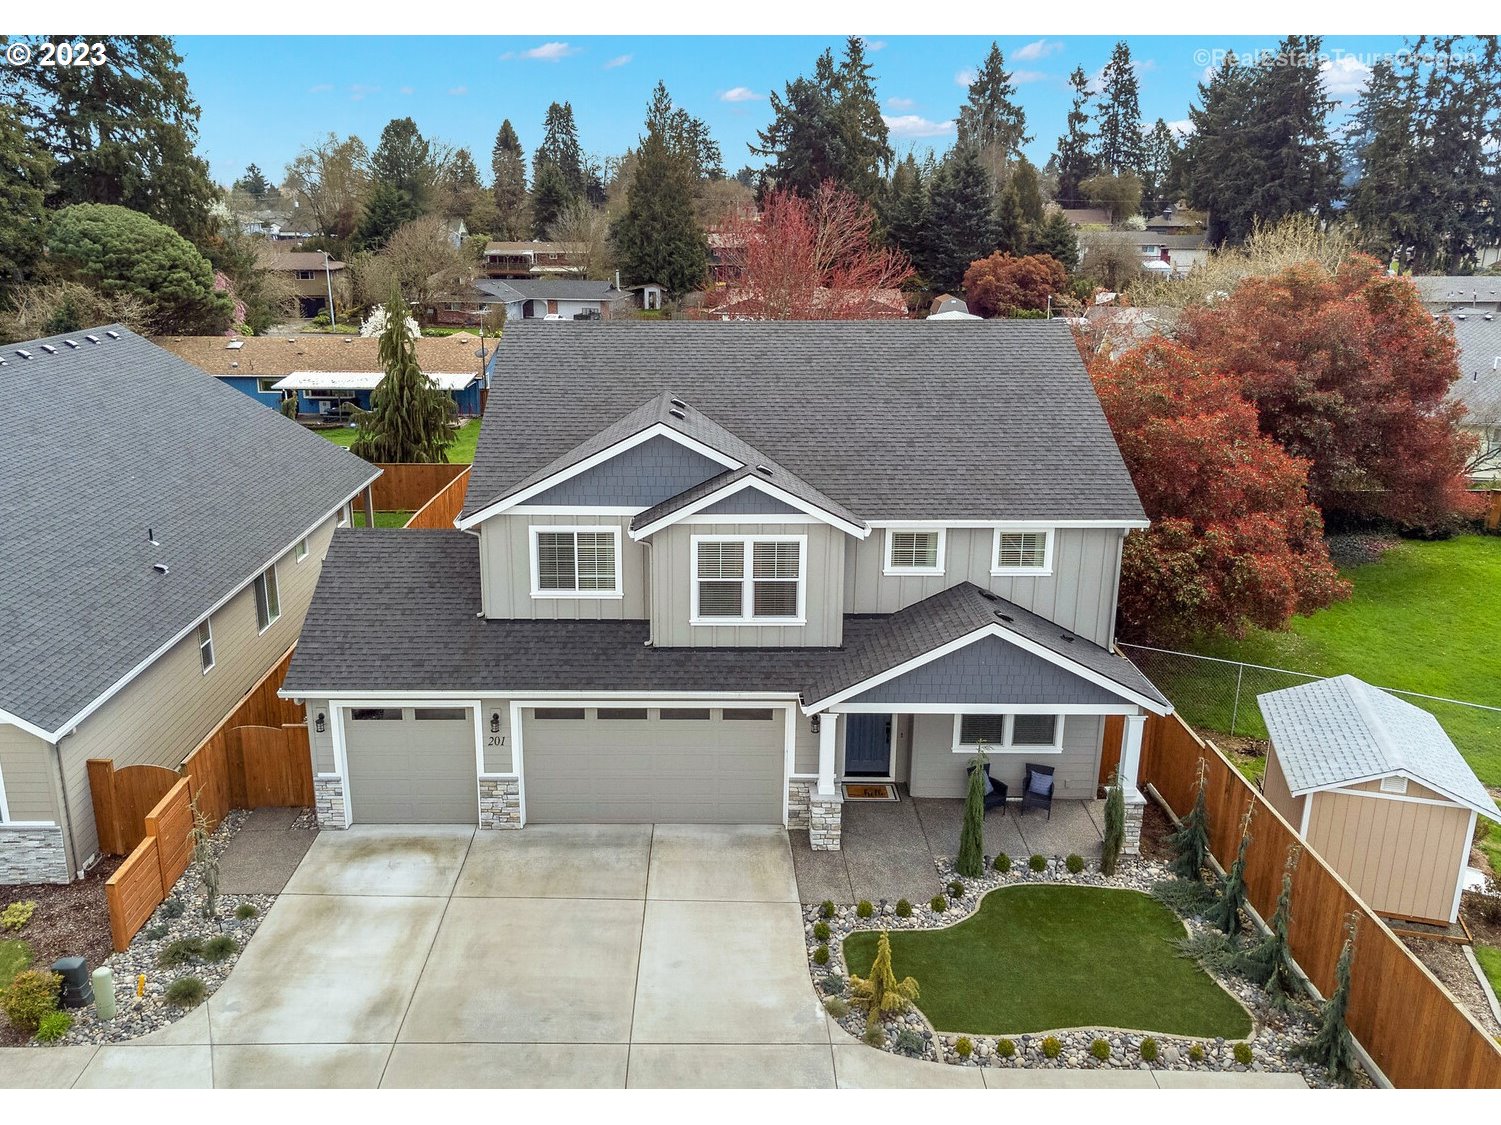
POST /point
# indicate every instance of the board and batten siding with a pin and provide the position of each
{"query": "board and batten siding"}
(1401, 857)
(1275, 789)
(672, 588)
(1079, 594)
(161, 715)
(320, 746)
(505, 551)
(937, 771)
(29, 774)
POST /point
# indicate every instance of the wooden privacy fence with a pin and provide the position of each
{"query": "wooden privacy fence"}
(439, 513)
(1493, 509)
(1408, 1023)
(407, 487)
(122, 799)
(154, 865)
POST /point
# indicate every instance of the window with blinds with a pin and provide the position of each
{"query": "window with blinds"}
(1033, 734)
(577, 562)
(1021, 550)
(913, 550)
(745, 579)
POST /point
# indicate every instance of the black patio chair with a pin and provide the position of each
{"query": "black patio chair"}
(996, 798)
(1037, 789)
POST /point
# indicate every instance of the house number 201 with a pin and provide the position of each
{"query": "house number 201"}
(495, 740)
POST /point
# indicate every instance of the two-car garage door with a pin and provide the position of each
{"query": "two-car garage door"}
(411, 765)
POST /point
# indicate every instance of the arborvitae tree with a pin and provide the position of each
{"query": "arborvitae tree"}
(1115, 825)
(991, 119)
(970, 862)
(1225, 913)
(410, 419)
(404, 160)
(882, 993)
(1331, 1046)
(1269, 961)
(508, 169)
(1118, 143)
(1191, 842)
(1075, 156)
(1157, 188)
(961, 225)
(1056, 238)
(1028, 192)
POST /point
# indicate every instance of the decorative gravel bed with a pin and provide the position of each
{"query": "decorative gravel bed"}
(1272, 1042)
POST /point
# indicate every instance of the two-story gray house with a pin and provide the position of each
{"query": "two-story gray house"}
(707, 572)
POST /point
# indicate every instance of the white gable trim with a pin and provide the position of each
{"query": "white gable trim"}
(659, 429)
(859, 531)
(1008, 525)
(968, 639)
(1427, 783)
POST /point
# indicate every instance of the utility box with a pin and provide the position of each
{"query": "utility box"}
(77, 991)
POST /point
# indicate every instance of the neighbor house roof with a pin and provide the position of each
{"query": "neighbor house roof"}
(1479, 384)
(265, 356)
(548, 289)
(1086, 216)
(276, 259)
(890, 419)
(365, 380)
(151, 448)
(1338, 731)
(1452, 291)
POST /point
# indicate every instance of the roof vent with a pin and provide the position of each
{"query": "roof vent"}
(764, 470)
(49, 349)
(677, 414)
(234, 363)
(23, 353)
(160, 568)
(73, 343)
(1459, 316)
(1006, 617)
(1490, 316)
(679, 403)
(235, 345)
(112, 334)
(151, 537)
(990, 595)
(92, 338)
(1069, 637)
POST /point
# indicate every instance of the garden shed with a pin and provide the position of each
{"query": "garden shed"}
(1374, 785)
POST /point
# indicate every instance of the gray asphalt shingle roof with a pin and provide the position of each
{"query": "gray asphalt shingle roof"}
(892, 419)
(415, 627)
(1342, 730)
(1455, 290)
(1479, 382)
(548, 289)
(144, 441)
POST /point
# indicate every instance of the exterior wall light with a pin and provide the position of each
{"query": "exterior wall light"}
(494, 722)
(816, 724)
(320, 724)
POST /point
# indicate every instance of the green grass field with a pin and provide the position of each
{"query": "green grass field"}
(383, 519)
(15, 956)
(1035, 958)
(461, 452)
(1424, 618)
(1490, 962)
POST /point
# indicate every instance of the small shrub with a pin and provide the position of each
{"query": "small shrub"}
(1214, 952)
(17, 914)
(53, 1026)
(834, 984)
(1002, 863)
(963, 1047)
(158, 931)
(246, 911)
(908, 1042)
(1074, 863)
(903, 908)
(864, 909)
(183, 951)
(1243, 1054)
(837, 1007)
(827, 909)
(173, 908)
(1196, 1053)
(874, 1036)
(1051, 1047)
(1100, 1049)
(30, 997)
(956, 889)
(186, 992)
(1005, 1048)
(219, 948)
(1038, 863)
(1148, 1050)
(821, 931)
(1188, 897)
(939, 904)
(821, 955)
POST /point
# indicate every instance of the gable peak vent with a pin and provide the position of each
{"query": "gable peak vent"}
(764, 470)
(678, 414)
(679, 403)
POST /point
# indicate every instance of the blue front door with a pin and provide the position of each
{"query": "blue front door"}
(867, 745)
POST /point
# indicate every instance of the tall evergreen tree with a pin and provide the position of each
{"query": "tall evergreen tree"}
(991, 117)
(1028, 191)
(962, 226)
(458, 186)
(970, 862)
(1118, 143)
(25, 177)
(508, 183)
(253, 183)
(1013, 233)
(1056, 238)
(558, 174)
(403, 159)
(865, 140)
(1191, 842)
(410, 417)
(903, 207)
(1075, 156)
(1157, 188)
(1331, 1046)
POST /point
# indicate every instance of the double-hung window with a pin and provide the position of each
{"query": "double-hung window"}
(267, 598)
(748, 579)
(1031, 734)
(914, 552)
(205, 645)
(576, 562)
(1022, 551)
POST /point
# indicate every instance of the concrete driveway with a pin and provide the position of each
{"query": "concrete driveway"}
(608, 956)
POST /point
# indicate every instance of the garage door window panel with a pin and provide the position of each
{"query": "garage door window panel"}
(577, 562)
(748, 580)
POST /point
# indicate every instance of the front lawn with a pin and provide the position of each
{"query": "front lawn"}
(1490, 962)
(461, 452)
(1040, 957)
(14, 957)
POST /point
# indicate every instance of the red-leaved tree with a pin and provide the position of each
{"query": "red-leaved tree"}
(1001, 285)
(1349, 371)
(1234, 541)
(811, 259)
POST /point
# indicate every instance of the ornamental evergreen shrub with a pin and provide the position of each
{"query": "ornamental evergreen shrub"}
(875, 1036)
(908, 1042)
(821, 931)
(971, 859)
(834, 984)
(186, 992)
(173, 908)
(220, 947)
(1331, 1046)
(183, 951)
(903, 908)
(1002, 863)
(837, 1007)
(864, 909)
(1226, 912)
(1075, 864)
(1100, 1049)
(1038, 863)
(246, 911)
(956, 889)
(1191, 842)
(30, 997)
(882, 992)
(17, 914)
(1148, 1050)
(827, 909)
(1005, 1048)
(939, 904)
(1196, 1053)
(1115, 826)
(1243, 1054)
(1268, 961)
(821, 955)
(963, 1047)
(1051, 1047)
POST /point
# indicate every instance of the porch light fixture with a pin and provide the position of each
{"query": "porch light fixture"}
(320, 723)
(494, 722)
(816, 724)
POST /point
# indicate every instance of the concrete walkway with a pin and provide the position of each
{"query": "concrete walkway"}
(559, 956)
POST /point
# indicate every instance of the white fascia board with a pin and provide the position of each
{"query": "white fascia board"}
(658, 429)
(1008, 525)
(374, 697)
(776, 493)
(1453, 797)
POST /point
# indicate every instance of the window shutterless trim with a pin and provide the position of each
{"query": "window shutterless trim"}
(997, 570)
(206, 645)
(887, 566)
(267, 599)
(748, 580)
(302, 549)
(536, 530)
(1008, 746)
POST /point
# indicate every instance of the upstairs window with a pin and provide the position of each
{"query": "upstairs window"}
(205, 646)
(914, 552)
(576, 562)
(1022, 552)
(267, 599)
(747, 579)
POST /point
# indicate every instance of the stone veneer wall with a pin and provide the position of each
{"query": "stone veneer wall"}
(499, 803)
(799, 794)
(825, 823)
(1136, 806)
(328, 801)
(33, 855)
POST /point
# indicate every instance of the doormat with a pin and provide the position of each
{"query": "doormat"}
(870, 791)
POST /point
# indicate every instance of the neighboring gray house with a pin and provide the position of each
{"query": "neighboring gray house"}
(1477, 331)
(1447, 293)
(707, 571)
(543, 298)
(159, 553)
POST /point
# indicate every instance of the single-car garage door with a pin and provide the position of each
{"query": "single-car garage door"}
(677, 765)
(411, 765)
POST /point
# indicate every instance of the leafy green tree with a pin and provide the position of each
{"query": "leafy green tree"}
(1269, 961)
(970, 861)
(1331, 1047)
(961, 223)
(508, 169)
(331, 179)
(1056, 239)
(123, 133)
(1075, 154)
(266, 297)
(119, 250)
(1118, 144)
(25, 178)
(1115, 825)
(1225, 913)
(882, 993)
(991, 119)
(410, 419)
(1120, 195)
(1190, 843)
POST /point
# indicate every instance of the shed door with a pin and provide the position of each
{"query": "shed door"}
(411, 765)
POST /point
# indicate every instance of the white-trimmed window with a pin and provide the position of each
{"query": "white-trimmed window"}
(917, 551)
(343, 517)
(268, 386)
(267, 598)
(1022, 551)
(576, 562)
(749, 579)
(302, 550)
(1009, 733)
(205, 645)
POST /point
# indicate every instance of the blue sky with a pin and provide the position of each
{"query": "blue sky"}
(263, 98)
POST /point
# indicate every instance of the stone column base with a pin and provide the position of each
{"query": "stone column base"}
(328, 802)
(799, 815)
(33, 855)
(499, 803)
(825, 822)
(1136, 806)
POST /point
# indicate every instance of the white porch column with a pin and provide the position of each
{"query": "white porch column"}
(1131, 750)
(827, 733)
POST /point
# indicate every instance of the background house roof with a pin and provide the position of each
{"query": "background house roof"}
(548, 289)
(1479, 382)
(281, 355)
(1451, 290)
(364, 380)
(275, 259)
(891, 419)
(150, 443)
(1332, 732)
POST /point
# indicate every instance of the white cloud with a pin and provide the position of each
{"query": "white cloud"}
(407, 90)
(1183, 128)
(740, 94)
(964, 77)
(358, 92)
(618, 60)
(1040, 49)
(321, 88)
(1345, 76)
(1022, 77)
(875, 45)
(546, 52)
(458, 91)
(911, 125)
(900, 103)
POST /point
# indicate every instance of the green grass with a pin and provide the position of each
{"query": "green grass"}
(15, 956)
(383, 519)
(1490, 962)
(1035, 958)
(1424, 618)
(461, 452)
